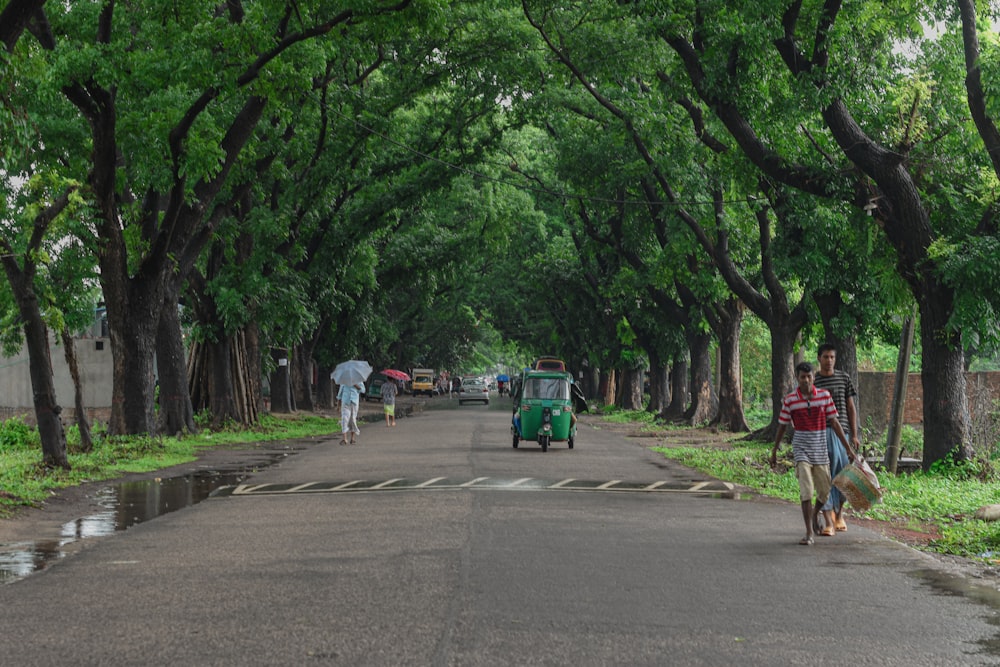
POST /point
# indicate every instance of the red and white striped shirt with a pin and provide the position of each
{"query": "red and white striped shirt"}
(808, 415)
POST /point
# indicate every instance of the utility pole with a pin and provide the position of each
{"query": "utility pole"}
(899, 393)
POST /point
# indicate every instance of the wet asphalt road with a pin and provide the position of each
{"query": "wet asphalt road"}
(484, 576)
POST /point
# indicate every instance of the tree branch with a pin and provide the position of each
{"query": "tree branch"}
(974, 84)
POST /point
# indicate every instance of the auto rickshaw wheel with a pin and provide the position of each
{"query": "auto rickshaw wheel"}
(571, 442)
(516, 439)
(543, 440)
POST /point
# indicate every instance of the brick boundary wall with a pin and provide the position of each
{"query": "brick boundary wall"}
(875, 398)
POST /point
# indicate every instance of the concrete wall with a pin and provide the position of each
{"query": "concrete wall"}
(96, 375)
(875, 397)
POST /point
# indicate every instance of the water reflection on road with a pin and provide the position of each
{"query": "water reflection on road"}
(119, 507)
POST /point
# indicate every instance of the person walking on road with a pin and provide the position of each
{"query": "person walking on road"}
(841, 389)
(389, 401)
(350, 400)
(810, 411)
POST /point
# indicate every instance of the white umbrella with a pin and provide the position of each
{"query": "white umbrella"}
(351, 372)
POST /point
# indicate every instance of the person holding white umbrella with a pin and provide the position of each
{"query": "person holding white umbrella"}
(350, 400)
(351, 376)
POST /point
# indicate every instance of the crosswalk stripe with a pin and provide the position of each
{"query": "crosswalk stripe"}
(492, 483)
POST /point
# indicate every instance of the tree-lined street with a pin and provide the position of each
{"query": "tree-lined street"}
(259, 192)
(480, 576)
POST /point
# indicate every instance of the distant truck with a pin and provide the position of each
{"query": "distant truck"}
(423, 381)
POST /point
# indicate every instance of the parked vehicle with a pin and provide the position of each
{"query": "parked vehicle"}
(549, 364)
(543, 409)
(374, 389)
(473, 389)
(423, 382)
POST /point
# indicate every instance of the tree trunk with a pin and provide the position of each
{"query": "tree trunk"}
(69, 351)
(47, 410)
(659, 388)
(224, 366)
(222, 375)
(14, 18)
(782, 375)
(281, 395)
(947, 425)
(591, 382)
(43, 391)
(608, 381)
(253, 361)
(631, 390)
(302, 374)
(325, 396)
(730, 416)
(176, 411)
(679, 392)
(36, 338)
(133, 319)
(704, 403)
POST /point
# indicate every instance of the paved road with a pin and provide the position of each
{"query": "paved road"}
(465, 555)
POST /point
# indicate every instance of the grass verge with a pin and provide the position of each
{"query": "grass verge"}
(945, 498)
(25, 482)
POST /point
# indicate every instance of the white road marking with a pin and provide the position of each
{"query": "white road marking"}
(248, 488)
(569, 484)
(300, 487)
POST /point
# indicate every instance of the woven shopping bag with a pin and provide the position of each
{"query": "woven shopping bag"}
(858, 483)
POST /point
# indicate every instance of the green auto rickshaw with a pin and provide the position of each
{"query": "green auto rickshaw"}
(543, 409)
(374, 390)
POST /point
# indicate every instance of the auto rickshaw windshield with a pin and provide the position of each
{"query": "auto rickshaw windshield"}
(550, 388)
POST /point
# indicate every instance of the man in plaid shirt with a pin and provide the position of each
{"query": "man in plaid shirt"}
(809, 410)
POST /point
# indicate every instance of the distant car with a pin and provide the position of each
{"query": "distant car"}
(549, 364)
(423, 382)
(473, 389)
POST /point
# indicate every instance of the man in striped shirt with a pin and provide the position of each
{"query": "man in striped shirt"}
(810, 411)
(839, 384)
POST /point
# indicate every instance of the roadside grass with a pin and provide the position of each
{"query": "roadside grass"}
(25, 482)
(616, 415)
(945, 498)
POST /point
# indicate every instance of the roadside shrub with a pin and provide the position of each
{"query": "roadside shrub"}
(15, 434)
(758, 416)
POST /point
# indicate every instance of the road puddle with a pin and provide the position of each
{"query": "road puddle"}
(120, 507)
(982, 592)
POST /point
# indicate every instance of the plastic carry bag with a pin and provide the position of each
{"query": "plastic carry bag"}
(858, 483)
